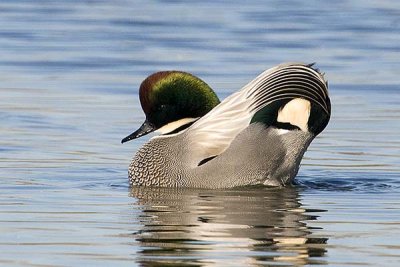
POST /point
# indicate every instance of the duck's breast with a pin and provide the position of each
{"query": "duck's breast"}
(158, 163)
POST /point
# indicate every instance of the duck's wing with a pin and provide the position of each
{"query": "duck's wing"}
(213, 133)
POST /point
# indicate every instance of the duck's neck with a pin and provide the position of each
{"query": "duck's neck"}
(176, 126)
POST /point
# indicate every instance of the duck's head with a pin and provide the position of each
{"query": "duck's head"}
(172, 99)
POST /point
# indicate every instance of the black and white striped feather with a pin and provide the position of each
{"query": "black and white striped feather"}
(213, 133)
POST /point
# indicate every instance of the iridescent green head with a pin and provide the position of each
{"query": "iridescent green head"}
(172, 97)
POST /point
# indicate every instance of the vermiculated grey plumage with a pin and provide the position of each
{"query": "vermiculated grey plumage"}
(258, 155)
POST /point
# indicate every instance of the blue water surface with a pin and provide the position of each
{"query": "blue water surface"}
(69, 77)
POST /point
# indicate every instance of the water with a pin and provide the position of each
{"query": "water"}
(69, 73)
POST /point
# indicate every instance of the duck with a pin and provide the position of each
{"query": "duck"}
(256, 136)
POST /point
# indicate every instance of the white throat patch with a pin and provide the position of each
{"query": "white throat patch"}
(172, 126)
(296, 112)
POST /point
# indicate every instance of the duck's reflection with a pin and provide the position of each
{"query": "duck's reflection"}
(233, 227)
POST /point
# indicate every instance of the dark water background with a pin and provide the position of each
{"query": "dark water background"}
(69, 73)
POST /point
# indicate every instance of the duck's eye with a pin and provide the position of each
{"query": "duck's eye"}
(162, 107)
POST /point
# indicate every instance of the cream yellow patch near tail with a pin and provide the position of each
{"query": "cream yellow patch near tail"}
(296, 112)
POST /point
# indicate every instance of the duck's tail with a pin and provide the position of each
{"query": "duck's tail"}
(291, 95)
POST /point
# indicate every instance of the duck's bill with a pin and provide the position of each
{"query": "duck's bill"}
(146, 128)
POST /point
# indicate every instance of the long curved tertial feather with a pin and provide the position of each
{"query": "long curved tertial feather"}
(213, 133)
